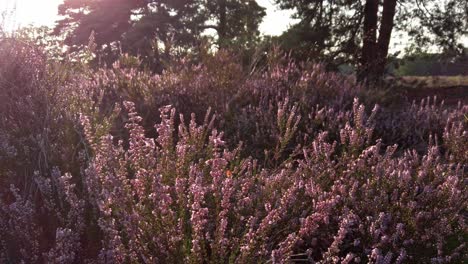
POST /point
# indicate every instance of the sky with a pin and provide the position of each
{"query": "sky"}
(44, 12)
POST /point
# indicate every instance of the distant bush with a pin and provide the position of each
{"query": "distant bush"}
(433, 65)
(285, 164)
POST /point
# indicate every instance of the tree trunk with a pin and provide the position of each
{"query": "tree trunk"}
(375, 52)
(369, 48)
(222, 27)
(385, 33)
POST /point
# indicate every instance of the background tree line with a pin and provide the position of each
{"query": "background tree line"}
(336, 32)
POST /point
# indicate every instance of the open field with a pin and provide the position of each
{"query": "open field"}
(434, 81)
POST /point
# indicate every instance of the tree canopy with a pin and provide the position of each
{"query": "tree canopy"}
(336, 32)
(153, 29)
(360, 32)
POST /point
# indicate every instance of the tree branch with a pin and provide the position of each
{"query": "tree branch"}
(202, 27)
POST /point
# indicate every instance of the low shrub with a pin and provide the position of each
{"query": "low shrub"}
(302, 172)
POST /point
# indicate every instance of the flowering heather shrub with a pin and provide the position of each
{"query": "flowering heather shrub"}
(412, 125)
(30, 123)
(189, 199)
(41, 99)
(303, 172)
(39, 135)
(246, 104)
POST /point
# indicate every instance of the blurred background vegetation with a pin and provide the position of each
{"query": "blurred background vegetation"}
(368, 38)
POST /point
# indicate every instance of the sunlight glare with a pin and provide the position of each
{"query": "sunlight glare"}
(20, 13)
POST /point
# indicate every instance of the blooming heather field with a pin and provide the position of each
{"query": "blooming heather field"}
(210, 164)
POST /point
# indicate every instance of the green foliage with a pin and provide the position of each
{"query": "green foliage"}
(432, 65)
(332, 31)
(328, 30)
(236, 22)
(435, 24)
(157, 31)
